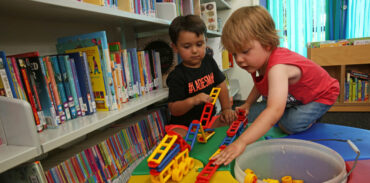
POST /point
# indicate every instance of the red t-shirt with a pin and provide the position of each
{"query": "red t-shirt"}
(315, 83)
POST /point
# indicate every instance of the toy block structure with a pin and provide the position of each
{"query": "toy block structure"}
(170, 159)
(234, 130)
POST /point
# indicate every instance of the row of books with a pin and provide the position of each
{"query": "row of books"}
(87, 75)
(144, 7)
(337, 43)
(356, 87)
(108, 161)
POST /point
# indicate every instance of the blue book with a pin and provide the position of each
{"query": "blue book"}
(59, 81)
(135, 71)
(78, 90)
(8, 73)
(84, 80)
(67, 87)
(94, 39)
(72, 85)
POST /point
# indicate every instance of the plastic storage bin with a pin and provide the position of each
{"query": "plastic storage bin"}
(301, 159)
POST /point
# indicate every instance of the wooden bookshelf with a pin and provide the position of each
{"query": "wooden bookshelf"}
(337, 60)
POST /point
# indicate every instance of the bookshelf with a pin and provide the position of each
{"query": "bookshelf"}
(35, 25)
(337, 60)
(18, 133)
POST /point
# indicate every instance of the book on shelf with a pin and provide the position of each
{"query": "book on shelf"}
(83, 106)
(53, 88)
(356, 86)
(64, 90)
(119, 71)
(28, 172)
(6, 82)
(28, 78)
(109, 159)
(126, 5)
(96, 76)
(83, 74)
(98, 39)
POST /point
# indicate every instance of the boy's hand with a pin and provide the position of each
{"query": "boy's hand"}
(228, 116)
(201, 98)
(229, 153)
(246, 109)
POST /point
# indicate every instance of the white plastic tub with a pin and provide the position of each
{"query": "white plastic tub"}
(301, 159)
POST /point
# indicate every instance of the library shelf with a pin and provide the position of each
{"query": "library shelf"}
(75, 11)
(74, 129)
(13, 155)
(337, 61)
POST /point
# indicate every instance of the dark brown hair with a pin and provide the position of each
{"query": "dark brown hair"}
(191, 23)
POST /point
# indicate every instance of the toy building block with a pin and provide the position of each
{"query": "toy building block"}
(218, 151)
(206, 174)
(192, 133)
(170, 155)
(250, 177)
(298, 181)
(181, 141)
(160, 152)
(234, 127)
(208, 133)
(286, 179)
(214, 94)
(270, 180)
(206, 114)
(177, 168)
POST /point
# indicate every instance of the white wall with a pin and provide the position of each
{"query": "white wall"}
(244, 78)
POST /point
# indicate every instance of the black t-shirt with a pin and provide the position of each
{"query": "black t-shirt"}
(184, 82)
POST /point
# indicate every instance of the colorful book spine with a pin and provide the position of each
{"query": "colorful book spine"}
(71, 82)
(83, 106)
(69, 108)
(47, 105)
(83, 74)
(6, 75)
(96, 76)
(17, 73)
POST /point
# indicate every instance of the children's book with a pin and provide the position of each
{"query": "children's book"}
(6, 74)
(36, 74)
(72, 85)
(5, 89)
(83, 74)
(83, 106)
(28, 83)
(91, 39)
(63, 88)
(128, 73)
(96, 76)
(135, 72)
(27, 173)
(18, 79)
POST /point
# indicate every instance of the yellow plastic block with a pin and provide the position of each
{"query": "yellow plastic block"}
(214, 154)
(162, 149)
(270, 180)
(287, 179)
(298, 181)
(214, 94)
(207, 135)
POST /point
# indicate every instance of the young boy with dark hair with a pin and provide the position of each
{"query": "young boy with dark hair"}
(191, 82)
(298, 91)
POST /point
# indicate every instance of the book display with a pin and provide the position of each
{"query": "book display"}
(349, 63)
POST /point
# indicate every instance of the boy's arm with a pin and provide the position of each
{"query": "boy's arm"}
(278, 92)
(227, 114)
(181, 107)
(252, 97)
